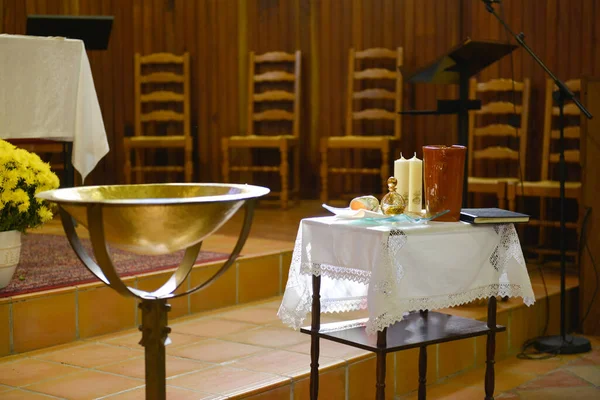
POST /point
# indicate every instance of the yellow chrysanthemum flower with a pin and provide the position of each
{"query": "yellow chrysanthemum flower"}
(22, 175)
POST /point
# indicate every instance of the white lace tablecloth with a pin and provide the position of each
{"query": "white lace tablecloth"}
(395, 269)
(47, 92)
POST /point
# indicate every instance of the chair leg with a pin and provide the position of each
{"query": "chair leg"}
(127, 168)
(511, 195)
(225, 149)
(542, 229)
(385, 168)
(348, 158)
(324, 173)
(296, 188)
(139, 161)
(284, 171)
(189, 165)
(501, 194)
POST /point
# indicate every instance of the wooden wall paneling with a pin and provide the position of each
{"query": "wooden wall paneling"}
(595, 40)
(203, 69)
(409, 128)
(215, 76)
(242, 60)
(231, 106)
(121, 48)
(308, 149)
(314, 93)
(587, 27)
(325, 69)
(421, 56)
(324, 30)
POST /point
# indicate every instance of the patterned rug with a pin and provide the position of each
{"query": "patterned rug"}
(49, 262)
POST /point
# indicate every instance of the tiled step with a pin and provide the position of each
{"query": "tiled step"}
(39, 320)
(246, 352)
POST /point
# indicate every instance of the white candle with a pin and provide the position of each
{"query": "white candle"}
(415, 184)
(402, 176)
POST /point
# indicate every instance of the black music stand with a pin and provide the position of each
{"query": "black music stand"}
(93, 31)
(457, 66)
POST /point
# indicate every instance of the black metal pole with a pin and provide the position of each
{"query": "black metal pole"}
(563, 344)
(563, 228)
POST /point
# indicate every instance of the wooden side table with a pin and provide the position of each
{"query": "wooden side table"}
(418, 329)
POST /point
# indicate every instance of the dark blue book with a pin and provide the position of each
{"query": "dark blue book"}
(492, 216)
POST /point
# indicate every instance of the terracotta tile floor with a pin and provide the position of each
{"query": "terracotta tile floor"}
(222, 354)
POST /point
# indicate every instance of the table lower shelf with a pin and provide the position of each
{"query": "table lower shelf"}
(415, 330)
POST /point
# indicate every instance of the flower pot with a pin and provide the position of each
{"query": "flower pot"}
(10, 251)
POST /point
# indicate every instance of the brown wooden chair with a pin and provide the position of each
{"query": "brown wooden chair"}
(268, 95)
(162, 114)
(493, 159)
(49, 151)
(359, 108)
(548, 186)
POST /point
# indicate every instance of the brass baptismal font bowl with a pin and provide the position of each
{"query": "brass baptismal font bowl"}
(152, 219)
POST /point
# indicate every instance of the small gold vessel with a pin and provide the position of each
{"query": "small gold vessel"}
(393, 203)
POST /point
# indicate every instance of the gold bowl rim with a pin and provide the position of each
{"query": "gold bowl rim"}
(246, 192)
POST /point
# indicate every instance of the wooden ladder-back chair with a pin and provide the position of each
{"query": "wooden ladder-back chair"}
(266, 105)
(162, 101)
(493, 161)
(548, 187)
(49, 151)
(357, 109)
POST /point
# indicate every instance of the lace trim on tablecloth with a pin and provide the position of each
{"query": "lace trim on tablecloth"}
(394, 272)
(508, 248)
(446, 301)
(334, 272)
(296, 318)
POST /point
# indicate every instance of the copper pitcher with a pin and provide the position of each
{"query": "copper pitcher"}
(444, 176)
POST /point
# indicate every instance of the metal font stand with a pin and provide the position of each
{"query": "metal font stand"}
(563, 343)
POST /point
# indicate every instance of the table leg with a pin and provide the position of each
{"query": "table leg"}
(490, 350)
(422, 372)
(314, 337)
(381, 361)
(69, 176)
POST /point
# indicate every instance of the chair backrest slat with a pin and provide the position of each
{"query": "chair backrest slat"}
(551, 132)
(263, 105)
(485, 136)
(274, 115)
(274, 95)
(374, 94)
(162, 96)
(162, 116)
(497, 130)
(380, 65)
(161, 89)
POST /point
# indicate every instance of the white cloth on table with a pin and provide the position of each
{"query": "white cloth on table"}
(47, 92)
(394, 269)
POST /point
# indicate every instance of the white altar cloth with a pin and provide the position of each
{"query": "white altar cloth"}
(47, 92)
(395, 269)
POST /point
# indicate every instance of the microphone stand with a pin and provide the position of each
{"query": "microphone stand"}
(563, 343)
